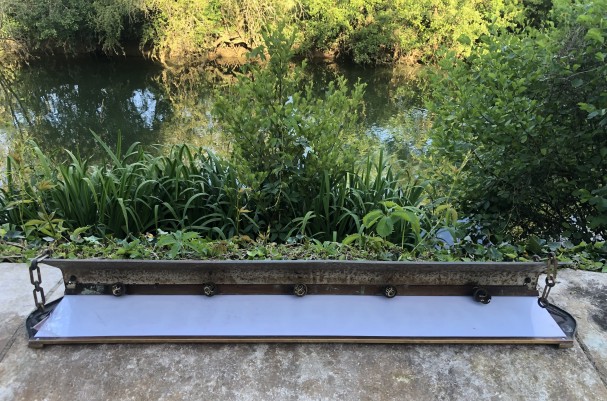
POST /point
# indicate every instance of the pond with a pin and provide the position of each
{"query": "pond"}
(63, 100)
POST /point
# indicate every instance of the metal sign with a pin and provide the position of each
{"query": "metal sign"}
(299, 301)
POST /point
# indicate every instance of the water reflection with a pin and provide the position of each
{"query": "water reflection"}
(62, 100)
(65, 99)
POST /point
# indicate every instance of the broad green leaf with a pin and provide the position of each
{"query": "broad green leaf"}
(410, 217)
(390, 204)
(165, 240)
(34, 222)
(533, 245)
(385, 227)
(350, 239)
(464, 40)
(80, 230)
(371, 218)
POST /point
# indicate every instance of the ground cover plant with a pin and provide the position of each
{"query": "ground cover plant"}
(191, 245)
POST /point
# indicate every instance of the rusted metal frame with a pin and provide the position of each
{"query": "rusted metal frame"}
(287, 289)
(300, 263)
(159, 273)
(562, 343)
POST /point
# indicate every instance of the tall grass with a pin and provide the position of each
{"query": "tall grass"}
(135, 192)
(131, 193)
(342, 201)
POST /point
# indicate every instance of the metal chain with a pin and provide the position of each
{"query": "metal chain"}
(36, 280)
(551, 271)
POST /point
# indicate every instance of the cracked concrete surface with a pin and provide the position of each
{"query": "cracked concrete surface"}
(304, 371)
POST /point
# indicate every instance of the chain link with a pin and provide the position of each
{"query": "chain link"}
(36, 280)
(551, 271)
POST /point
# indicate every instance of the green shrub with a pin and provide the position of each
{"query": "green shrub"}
(379, 31)
(346, 203)
(284, 134)
(529, 113)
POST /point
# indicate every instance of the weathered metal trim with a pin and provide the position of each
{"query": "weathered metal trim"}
(159, 273)
(37, 343)
(287, 289)
(295, 264)
(565, 320)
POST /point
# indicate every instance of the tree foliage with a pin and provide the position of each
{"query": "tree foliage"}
(376, 31)
(11, 53)
(529, 111)
(72, 25)
(176, 31)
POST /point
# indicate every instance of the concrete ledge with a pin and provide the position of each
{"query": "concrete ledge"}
(304, 371)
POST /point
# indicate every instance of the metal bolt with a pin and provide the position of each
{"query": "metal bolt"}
(118, 289)
(208, 289)
(300, 290)
(481, 295)
(71, 284)
(390, 291)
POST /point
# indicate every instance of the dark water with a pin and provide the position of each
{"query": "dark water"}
(62, 101)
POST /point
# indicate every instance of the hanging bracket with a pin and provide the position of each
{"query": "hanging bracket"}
(36, 280)
(551, 271)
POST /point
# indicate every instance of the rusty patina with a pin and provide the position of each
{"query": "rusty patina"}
(278, 276)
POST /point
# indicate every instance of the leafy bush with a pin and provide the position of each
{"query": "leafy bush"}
(285, 135)
(379, 31)
(529, 113)
(351, 207)
(279, 125)
(537, 12)
(74, 25)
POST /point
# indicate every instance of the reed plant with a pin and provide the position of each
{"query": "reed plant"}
(183, 188)
(342, 202)
(129, 193)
